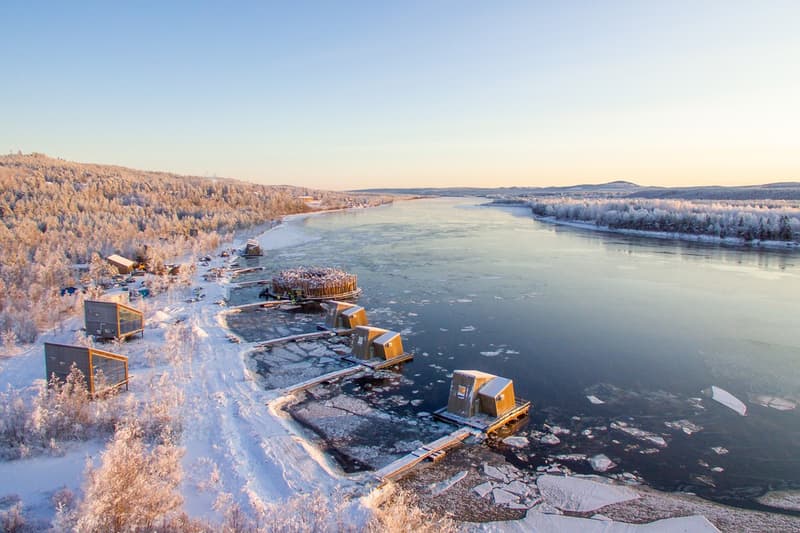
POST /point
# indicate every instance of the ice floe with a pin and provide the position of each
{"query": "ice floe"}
(684, 425)
(727, 399)
(601, 463)
(595, 400)
(576, 494)
(781, 404)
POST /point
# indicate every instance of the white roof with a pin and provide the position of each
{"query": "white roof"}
(474, 373)
(118, 259)
(387, 337)
(494, 387)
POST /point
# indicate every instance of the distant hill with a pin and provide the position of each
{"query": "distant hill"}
(789, 190)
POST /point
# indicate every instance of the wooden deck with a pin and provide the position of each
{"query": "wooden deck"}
(482, 422)
(435, 448)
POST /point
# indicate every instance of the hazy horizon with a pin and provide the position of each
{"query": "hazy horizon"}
(357, 95)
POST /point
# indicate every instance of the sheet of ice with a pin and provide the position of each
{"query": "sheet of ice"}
(684, 425)
(466, 329)
(595, 400)
(781, 404)
(728, 400)
(580, 494)
(550, 523)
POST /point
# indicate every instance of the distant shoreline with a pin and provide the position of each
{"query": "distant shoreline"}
(666, 235)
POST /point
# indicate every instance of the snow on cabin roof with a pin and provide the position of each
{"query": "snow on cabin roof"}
(494, 387)
(474, 373)
(118, 259)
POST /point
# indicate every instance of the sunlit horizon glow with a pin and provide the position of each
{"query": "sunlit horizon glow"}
(345, 95)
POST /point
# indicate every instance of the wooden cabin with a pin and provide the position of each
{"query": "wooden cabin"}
(344, 315)
(388, 346)
(59, 359)
(112, 320)
(362, 345)
(473, 392)
(252, 249)
(122, 264)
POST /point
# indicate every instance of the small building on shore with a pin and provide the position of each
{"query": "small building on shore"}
(112, 320)
(102, 370)
(252, 249)
(122, 264)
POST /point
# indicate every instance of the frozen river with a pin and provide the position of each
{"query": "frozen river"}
(642, 325)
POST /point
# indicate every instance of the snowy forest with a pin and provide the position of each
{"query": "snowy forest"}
(763, 220)
(58, 214)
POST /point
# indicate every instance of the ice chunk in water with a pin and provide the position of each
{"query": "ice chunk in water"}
(781, 404)
(727, 399)
(601, 463)
(595, 400)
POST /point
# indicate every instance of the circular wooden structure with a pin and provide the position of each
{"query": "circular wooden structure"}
(315, 283)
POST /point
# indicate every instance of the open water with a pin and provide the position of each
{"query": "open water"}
(642, 324)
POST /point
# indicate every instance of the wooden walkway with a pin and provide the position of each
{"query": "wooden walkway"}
(296, 338)
(266, 305)
(330, 376)
(435, 448)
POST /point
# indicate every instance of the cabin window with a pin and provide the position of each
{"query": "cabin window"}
(499, 398)
(462, 392)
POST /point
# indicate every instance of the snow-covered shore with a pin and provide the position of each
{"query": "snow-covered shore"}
(240, 447)
(665, 235)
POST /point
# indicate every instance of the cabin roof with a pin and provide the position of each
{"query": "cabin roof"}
(494, 387)
(474, 373)
(119, 260)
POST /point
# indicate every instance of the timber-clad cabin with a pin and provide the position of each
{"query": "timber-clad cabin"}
(344, 315)
(59, 359)
(112, 320)
(377, 347)
(122, 264)
(482, 400)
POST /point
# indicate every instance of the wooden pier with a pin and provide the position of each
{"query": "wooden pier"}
(239, 271)
(265, 305)
(432, 450)
(483, 422)
(330, 376)
(380, 364)
(296, 338)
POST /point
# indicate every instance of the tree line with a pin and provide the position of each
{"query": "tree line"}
(773, 220)
(57, 214)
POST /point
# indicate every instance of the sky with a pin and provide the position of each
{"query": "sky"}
(437, 93)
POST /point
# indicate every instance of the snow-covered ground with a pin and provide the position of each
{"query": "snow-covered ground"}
(239, 449)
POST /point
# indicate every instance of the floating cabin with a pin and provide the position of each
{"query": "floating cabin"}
(483, 401)
(112, 320)
(344, 315)
(252, 249)
(59, 358)
(377, 347)
(122, 264)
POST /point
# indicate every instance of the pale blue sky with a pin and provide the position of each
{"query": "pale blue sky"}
(438, 93)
